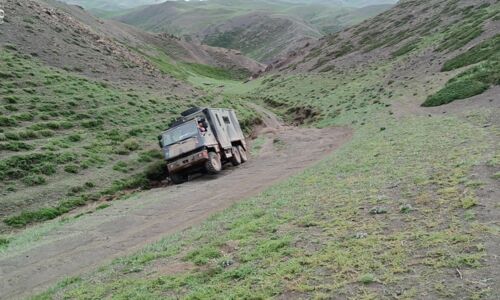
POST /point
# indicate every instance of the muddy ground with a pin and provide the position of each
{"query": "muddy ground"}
(146, 217)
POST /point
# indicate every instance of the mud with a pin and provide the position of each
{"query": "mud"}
(129, 225)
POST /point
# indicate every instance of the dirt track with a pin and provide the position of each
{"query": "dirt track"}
(148, 216)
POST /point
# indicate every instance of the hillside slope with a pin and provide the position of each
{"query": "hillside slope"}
(407, 210)
(82, 101)
(111, 5)
(261, 36)
(100, 49)
(259, 29)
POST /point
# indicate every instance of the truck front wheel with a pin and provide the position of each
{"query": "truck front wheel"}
(178, 178)
(213, 164)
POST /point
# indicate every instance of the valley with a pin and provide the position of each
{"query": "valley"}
(375, 151)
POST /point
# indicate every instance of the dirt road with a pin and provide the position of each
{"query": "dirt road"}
(128, 225)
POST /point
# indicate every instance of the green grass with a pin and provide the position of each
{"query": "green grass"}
(4, 242)
(267, 245)
(183, 70)
(467, 29)
(44, 214)
(257, 145)
(486, 50)
(410, 46)
(472, 82)
(461, 89)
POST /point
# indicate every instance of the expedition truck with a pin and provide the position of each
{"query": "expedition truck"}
(202, 140)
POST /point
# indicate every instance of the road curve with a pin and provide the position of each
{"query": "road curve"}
(146, 217)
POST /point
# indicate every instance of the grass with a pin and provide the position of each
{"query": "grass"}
(44, 214)
(4, 242)
(484, 51)
(461, 89)
(257, 145)
(267, 245)
(472, 82)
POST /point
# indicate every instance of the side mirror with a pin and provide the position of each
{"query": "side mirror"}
(160, 141)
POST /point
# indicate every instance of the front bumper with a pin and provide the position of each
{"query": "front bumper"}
(188, 161)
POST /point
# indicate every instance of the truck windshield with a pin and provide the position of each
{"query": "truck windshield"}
(180, 133)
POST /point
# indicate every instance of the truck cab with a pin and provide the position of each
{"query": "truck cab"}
(202, 140)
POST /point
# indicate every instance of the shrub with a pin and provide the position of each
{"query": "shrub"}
(150, 155)
(102, 206)
(130, 145)
(11, 108)
(455, 91)
(33, 180)
(74, 138)
(45, 169)
(410, 46)
(157, 171)
(121, 167)
(75, 190)
(4, 242)
(12, 136)
(89, 184)
(481, 52)
(46, 133)
(7, 122)
(44, 214)
(16, 146)
(366, 278)
(91, 124)
(11, 99)
(71, 169)
(28, 134)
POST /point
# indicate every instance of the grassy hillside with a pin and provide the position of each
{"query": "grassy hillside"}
(407, 209)
(263, 30)
(74, 130)
(366, 234)
(67, 138)
(111, 5)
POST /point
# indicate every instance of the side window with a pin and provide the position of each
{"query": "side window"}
(226, 120)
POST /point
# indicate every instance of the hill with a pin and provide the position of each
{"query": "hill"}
(407, 208)
(82, 98)
(263, 30)
(111, 5)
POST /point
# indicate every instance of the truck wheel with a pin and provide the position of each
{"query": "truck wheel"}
(243, 154)
(178, 178)
(236, 159)
(213, 164)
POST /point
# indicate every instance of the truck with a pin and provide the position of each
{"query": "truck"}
(203, 140)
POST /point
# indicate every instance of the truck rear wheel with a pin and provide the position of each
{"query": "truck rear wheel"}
(178, 178)
(243, 154)
(236, 159)
(213, 164)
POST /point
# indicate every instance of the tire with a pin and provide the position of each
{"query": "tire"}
(178, 178)
(243, 154)
(213, 164)
(236, 159)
